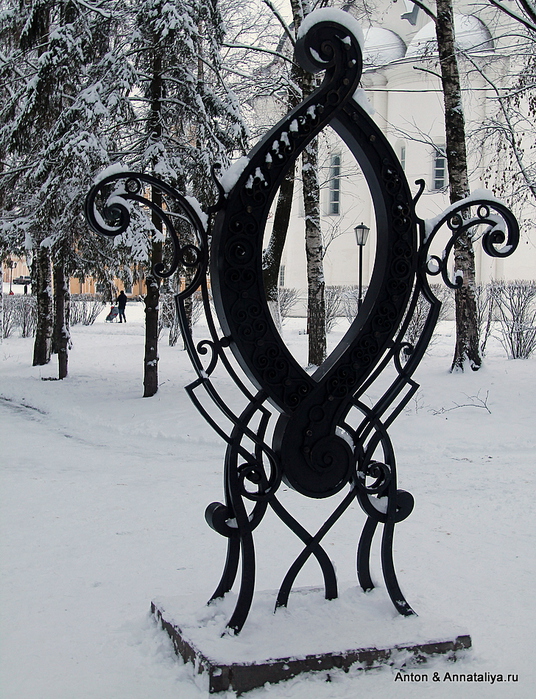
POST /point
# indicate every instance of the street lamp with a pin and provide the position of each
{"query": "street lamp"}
(11, 264)
(361, 235)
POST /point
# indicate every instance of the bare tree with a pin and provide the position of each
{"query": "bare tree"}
(508, 132)
(287, 88)
(288, 298)
(316, 310)
(467, 349)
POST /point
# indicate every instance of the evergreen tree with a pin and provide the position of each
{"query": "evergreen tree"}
(60, 125)
(186, 120)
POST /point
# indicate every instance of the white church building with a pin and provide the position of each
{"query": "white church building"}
(401, 82)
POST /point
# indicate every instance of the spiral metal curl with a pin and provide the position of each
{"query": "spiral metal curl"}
(500, 238)
(108, 213)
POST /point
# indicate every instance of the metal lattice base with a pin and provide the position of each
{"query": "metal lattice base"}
(277, 647)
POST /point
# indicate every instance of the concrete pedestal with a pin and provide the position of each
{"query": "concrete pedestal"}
(311, 635)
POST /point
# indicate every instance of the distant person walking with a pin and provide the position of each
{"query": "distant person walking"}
(121, 303)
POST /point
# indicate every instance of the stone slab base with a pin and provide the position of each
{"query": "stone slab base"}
(275, 647)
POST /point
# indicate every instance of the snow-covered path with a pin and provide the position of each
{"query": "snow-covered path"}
(102, 509)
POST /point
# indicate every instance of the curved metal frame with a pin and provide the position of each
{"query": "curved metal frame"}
(326, 438)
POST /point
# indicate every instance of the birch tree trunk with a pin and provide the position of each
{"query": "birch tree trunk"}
(467, 349)
(316, 310)
(316, 307)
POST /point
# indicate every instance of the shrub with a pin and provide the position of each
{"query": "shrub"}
(9, 315)
(515, 309)
(288, 298)
(418, 319)
(19, 311)
(26, 312)
(350, 301)
(168, 317)
(84, 308)
(334, 301)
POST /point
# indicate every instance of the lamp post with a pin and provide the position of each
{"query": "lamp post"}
(361, 235)
(11, 264)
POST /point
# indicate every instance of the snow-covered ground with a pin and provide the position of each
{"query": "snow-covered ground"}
(102, 509)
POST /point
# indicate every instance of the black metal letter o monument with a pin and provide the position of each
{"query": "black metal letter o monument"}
(314, 432)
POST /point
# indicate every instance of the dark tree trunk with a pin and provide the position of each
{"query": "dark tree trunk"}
(61, 320)
(150, 374)
(1, 299)
(271, 261)
(188, 303)
(43, 292)
(467, 330)
(152, 299)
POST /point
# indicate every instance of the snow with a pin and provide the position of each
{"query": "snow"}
(471, 35)
(196, 206)
(477, 195)
(330, 14)
(354, 620)
(382, 46)
(231, 176)
(102, 506)
(113, 169)
(360, 97)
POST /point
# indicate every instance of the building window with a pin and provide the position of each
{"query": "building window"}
(403, 157)
(440, 169)
(335, 186)
(282, 275)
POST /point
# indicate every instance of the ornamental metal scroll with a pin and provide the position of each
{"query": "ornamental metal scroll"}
(316, 433)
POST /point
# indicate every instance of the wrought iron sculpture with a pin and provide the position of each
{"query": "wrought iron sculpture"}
(317, 433)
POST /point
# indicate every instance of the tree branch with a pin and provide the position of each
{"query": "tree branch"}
(281, 21)
(426, 70)
(530, 9)
(258, 48)
(426, 10)
(515, 15)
